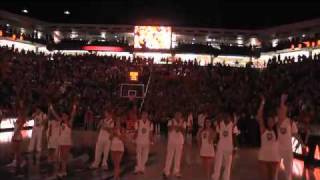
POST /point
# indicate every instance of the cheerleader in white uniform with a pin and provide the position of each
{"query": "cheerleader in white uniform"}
(103, 143)
(177, 128)
(269, 156)
(201, 119)
(52, 137)
(64, 139)
(206, 139)
(144, 137)
(39, 118)
(117, 148)
(286, 129)
(226, 130)
(17, 136)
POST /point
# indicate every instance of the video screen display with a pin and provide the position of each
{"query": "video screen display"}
(152, 37)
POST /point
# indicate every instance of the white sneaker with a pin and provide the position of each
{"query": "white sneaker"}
(136, 172)
(178, 175)
(23, 163)
(62, 174)
(93, 167)
(12, 164)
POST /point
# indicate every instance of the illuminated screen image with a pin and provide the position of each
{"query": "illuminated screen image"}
(152, 37)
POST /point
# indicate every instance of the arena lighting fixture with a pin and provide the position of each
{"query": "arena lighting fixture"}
(253, 41)
(103, 35)
(275, 42)
(66, 12)
(7, 25)
(239, 41)
(9, 123)
(103, 48)
(39, 35)
(73, 35)
(22, 30)
(57, 36)
(303, 35)
(25, 11)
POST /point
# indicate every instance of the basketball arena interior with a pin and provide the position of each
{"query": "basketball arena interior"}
(161, 72)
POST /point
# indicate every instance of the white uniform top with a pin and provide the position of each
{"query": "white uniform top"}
(225, 136)
(54, 137)
(65, 135)
(269, 150)
(104, 134)
(39, 119)
(201, 118)
(144, 129)
(174, 136)
(55, 127)
(116, 143)
(17, 136)
(206, 149)
(285, 131)
(190, 121)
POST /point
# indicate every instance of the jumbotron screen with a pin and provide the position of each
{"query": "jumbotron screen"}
(152, 37)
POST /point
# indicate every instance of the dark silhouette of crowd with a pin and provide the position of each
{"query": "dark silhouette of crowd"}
(186, 87)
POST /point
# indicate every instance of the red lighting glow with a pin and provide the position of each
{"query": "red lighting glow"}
(317, 153)
(103, 48)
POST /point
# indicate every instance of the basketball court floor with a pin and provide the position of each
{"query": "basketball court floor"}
(245, 165)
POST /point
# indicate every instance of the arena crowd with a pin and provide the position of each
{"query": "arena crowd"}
(51, 84)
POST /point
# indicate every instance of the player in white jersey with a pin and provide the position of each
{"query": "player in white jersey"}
(39, 118)
(177, 127)
(117, 148)
(65, 137)
(206, 140)
(52, 138)
(269, 156)
(226, 132)
(103, 143)
(286, 129)
(144, 137)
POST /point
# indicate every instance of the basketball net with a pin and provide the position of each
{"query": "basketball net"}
(131, 97)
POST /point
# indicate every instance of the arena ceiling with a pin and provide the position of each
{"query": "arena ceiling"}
(240, 14)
